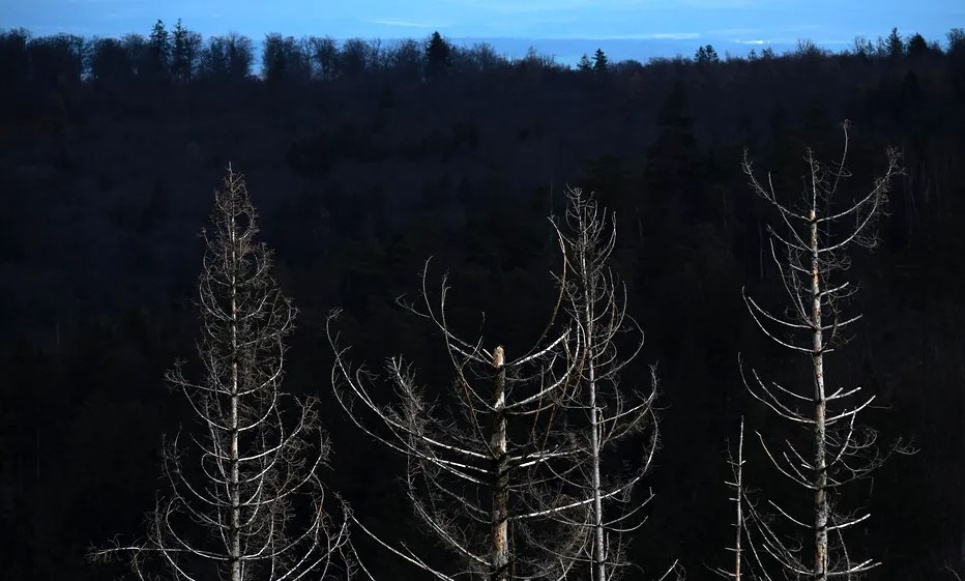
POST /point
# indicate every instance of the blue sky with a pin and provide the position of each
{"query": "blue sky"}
(829, 23)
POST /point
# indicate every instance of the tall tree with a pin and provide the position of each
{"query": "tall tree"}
(185, 51)
(405, 59)
(110, 62)
(139, 53)
(896, 46)
(609, 418)
(324, 54)
(600, 61)
(14, 57)
(227, 57)
(354, 59)
(158, 61)
(706, 54)
(285, 60)
(56, 59)
(483, 462)
(584, 64)
(814, 244)
(438, 53)
(249, 504)
(917, 46)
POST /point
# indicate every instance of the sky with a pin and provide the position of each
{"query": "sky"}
(830, 23)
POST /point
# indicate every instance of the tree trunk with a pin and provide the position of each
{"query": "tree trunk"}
(234, 556)
(599, 536)
(738, 555)
(500, 512)
(820, 407)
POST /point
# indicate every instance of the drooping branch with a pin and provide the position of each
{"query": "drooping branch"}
(609, 420)
(244, 499)
(818, 237)
(479, 462)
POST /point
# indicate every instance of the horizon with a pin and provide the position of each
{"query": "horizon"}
(654, 27)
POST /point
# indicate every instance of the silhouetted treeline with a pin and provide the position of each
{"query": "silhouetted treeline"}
(365, 159)
(182, 55)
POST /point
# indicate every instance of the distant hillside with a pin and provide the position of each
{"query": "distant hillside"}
(567, 51)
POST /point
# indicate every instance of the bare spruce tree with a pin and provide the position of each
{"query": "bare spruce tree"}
(737, 485)
(479, 459)
(813, 250)
(244, 499)
(747, 563)
(610, 418)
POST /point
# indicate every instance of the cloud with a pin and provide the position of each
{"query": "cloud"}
(651, 36)
(44, 29)
(531, 5)
(734, 32)
(407, 24)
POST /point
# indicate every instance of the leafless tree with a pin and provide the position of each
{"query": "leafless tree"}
(604, 414)
(814, 247)
(247, 502)
(737, 485)
(481, 474)
(746, 516)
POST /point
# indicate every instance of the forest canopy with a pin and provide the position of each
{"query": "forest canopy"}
(366, 158)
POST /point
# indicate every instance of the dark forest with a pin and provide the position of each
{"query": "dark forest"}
(377, 169)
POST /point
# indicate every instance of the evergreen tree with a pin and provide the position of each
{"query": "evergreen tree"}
(917, 46)
(706, 54)
(186, 48)
(438, 55)
(896, 47)
(158, 57)
(584, 65)
(600, 62)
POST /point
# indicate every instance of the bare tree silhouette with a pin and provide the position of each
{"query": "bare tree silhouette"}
(608, 417)
(247, 502)
(815, 249)
(477, 472)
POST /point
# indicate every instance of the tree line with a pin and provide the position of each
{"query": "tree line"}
(181, 55)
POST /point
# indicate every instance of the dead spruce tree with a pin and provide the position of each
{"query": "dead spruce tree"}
(245, 501)
(607, 417)
(480, 460)
(746, 515)
(814, 244)
(737, 485)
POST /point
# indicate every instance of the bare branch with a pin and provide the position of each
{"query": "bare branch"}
(815, 248)
(230, 506)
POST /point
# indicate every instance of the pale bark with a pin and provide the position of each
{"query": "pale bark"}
(230, 512)
(815, 247)
(500, 516)
(479, 464)
(612, 419)
(737, 485)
